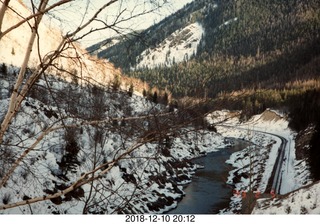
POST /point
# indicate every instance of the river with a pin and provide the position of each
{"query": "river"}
(208, 192)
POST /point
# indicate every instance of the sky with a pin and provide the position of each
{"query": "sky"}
(69, 16)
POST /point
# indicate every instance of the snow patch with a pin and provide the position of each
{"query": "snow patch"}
(178, 47)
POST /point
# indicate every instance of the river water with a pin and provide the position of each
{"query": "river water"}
(208, 192)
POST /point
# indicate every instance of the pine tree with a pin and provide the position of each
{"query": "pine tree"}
(155, 97)
(116, 83)
(131, 89)
(3, 69)
(144, 92)
(165, 98)
(314, 153)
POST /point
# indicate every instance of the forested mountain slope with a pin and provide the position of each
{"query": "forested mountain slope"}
(265, 48)
(132, 46)
(249, 43)
(252, 55)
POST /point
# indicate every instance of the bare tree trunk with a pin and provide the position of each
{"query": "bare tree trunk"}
(26, 19)
(3, 9)
(23, 85)
(14, 104)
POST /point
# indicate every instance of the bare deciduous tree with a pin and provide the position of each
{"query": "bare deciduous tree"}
(26, 81)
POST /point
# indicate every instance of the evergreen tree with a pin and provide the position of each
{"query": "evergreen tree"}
(4, 70)
(131, 89)
(314, 153)
(144, 92)
(165, 98)
(155, 97)
(116, 83)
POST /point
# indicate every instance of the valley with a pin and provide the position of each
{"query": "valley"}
(221, 96)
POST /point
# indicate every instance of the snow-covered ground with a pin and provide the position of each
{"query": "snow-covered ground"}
(149, 180)
(137, 183)
(255, 163)
(302, 201)
(179, 46)
(145, 181)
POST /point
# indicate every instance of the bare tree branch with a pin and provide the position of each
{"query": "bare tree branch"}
(24, 84)
(3, 9)
(40, 12)
(84, 179)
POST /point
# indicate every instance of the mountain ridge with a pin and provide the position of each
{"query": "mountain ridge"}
(257, 35)
(85, 126)
(150, 37)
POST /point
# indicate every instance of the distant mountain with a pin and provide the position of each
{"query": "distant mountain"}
(180, 28)
(110, 42)
(237, 28)
(226, 46)
(251, 55)
(179, 46)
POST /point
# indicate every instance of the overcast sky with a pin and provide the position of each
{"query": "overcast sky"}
(71, 15)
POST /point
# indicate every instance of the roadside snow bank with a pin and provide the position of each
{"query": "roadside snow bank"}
(302, 201)
(253, 166)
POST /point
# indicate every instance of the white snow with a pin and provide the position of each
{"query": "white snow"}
(178, 47)
(264, 152)
(228, 22)
(254, 129)
(40, 170)
(188, 144)
(302, 201)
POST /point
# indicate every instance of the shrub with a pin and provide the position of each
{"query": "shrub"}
(6, 198)
(71, 142)
(288, 209)
(116, 83)
(131, 89)
(4, 69)
(303, 210)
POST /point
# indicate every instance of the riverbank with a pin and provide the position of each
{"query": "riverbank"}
(208, 192)
(253, 166)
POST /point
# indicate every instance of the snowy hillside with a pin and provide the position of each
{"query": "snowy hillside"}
(147, 180)
(258, 129)
(13, 44)
(302, 201)
(178, 47)
(82, 145)
(68, 130)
